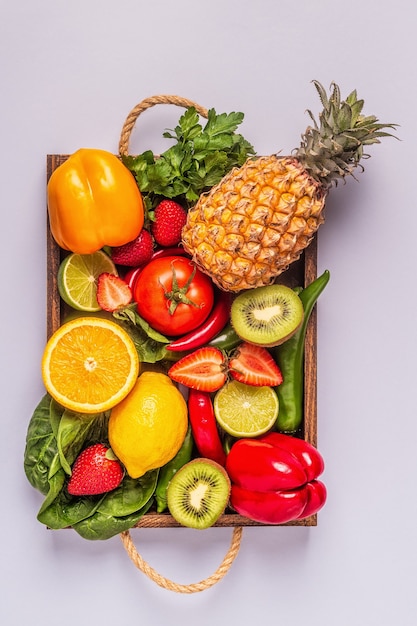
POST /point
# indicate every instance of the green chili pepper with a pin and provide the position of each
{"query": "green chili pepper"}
(290, 358)
(227, 339)
(169, 469)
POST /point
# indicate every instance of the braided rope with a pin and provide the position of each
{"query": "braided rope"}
(166, 583)
(146, 104)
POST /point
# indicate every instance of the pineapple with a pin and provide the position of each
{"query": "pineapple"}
(250, 227)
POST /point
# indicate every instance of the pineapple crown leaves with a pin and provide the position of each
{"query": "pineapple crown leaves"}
(333, 147)
(198, 159)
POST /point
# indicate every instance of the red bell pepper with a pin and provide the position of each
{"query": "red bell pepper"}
(274, 478)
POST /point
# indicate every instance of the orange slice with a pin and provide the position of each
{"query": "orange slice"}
(89, 365)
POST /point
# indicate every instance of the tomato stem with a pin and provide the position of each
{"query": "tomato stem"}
(178, 295)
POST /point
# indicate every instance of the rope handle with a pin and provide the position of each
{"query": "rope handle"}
(166, 583)
(125, 536)
(146, 104)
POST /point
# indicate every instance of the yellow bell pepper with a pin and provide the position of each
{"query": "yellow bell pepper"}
(93, 201)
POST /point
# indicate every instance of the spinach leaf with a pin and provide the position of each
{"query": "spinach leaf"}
(101, 512)
(66, 510)
(56, 483)
(55, 414)
(41, 450)
(120, 509)
(130, 496)
(72, 431)
(101, 526)
(149, 344)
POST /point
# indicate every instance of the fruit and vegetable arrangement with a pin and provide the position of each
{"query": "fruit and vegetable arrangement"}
(175, 381)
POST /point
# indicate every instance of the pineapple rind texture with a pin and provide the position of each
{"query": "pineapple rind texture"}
(257, 221)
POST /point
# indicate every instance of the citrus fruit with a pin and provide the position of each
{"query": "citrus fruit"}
(89, 364)
(147, 428)
(77, 279)
(244, 410)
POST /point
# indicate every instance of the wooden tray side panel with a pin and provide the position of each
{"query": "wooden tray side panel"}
(53, 260)
(302, 272)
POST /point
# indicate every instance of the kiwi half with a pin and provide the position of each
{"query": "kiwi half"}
(267, 316)
(198, 493)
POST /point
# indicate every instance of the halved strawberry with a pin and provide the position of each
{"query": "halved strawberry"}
(254, 365)
(113, 292)
(204, 369)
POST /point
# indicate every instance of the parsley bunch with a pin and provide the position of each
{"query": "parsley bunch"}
(197, 161)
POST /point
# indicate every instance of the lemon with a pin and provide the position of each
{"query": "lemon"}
(148, 427)
(77, 279)
(89, 364)
(245, 410)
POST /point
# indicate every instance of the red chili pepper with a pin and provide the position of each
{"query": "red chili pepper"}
(215, 322)
(204, 426)
(131, 276)
(274, 478)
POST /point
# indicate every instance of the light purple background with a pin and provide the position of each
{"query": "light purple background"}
(70, 72)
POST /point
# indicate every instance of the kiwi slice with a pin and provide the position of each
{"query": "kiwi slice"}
(267, 316)
(198, 493)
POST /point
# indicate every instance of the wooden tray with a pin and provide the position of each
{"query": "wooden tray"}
(302, 272)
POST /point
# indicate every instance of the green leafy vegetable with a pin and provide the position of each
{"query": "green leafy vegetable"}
(101, 526)
(198, 160)
(41, 448)
(121, 509)
(54, 439)
(72, 431)
(149, 344)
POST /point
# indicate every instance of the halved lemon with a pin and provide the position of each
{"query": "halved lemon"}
(245, 410)
(89, 365)
(77, 279)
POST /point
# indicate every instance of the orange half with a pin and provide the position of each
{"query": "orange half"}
(89, 365)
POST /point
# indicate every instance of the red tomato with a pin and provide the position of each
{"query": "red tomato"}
(173, 295)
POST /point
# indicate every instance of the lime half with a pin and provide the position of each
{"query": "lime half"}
(245, 410)
(77, 279)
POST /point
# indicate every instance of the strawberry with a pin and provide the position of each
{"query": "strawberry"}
(112, 292)
(169, 219)
(254, 365)
(136, 252)
(204, 369)
(96, 470)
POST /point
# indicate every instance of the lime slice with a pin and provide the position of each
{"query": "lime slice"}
(244, 410)
(77, 279)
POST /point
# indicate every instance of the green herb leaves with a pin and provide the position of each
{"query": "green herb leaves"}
(198, 160)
